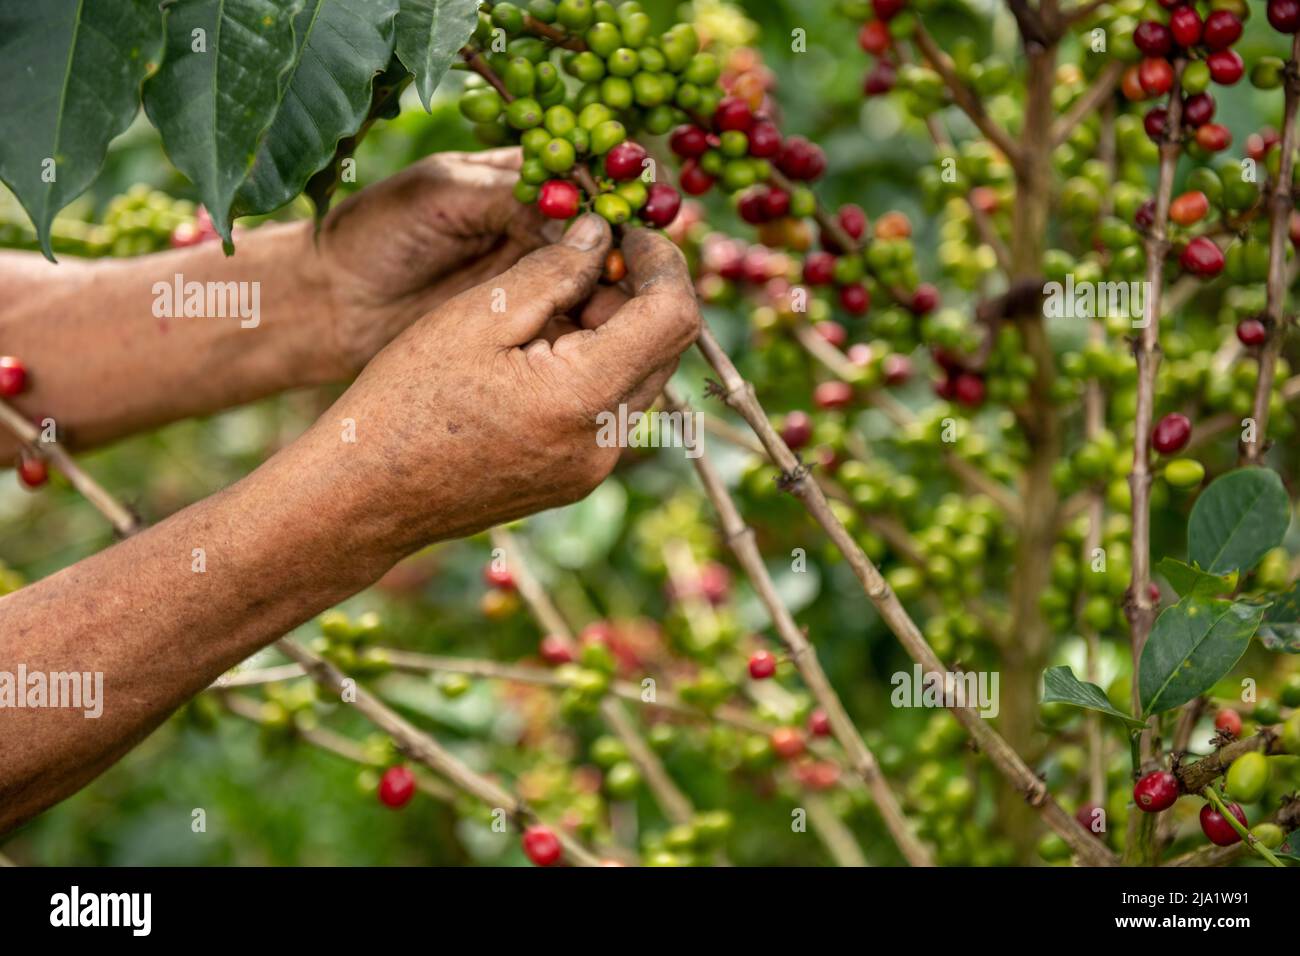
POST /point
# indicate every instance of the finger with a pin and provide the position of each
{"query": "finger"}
(504, 157)
(649, 331)
(600, 308)
(649, 390)
(514, 307)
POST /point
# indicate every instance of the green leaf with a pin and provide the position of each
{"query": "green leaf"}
(217, 90)
(429, 35)
(1060, 686)
(70, 75)
(342, 46)
(1280, 630)
(1193, 644)
(1188, 581)
(1239, 517)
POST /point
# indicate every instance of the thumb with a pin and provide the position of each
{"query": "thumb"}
(514, 307)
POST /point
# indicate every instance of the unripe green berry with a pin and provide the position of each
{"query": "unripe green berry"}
(634, 191)
(687, 96)
(508, 17)
(534, 141)
(623, 62)
(587, 67)
(603, 39)
(580, 139)
(559, 120)
(593, 115)
(703, 70)
(482, 105)
(533, 171)
(526, 193)
(636, 28)
(733, 144)
(659, 120)
(544, 10)
(713, 163)
(613, 208)
(648, 90)
(574, 15)
(558, 156)
(616, 92)
(519, 77)
(524, 113)
(606, 136)
(652, 60)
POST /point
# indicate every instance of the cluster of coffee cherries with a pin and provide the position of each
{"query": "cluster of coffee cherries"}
(501, 599)
(33, 470)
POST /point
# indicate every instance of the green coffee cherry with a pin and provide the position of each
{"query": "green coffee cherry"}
(519, 77)
(1184, 472)
(534, 141)
(482, 105)
(634, 191)
(616, 92)
(659, 120)
(606, 136)
(652, 60)
(603, 39)
(526, 193)
(1267, 72)
(580, 139)
(1247, 777)
(508, 17)
(593, 115)
(558, 156)
(574, 15)
(613, 208)
(533, 171)
(587, 67)
(559, 120)
(623, 62)
(1196, 76)
(650, 89)
(544, 10)
(703, 70)
(524, 113)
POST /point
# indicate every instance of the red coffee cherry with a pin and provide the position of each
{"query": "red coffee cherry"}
(887, 9)
(625, 160)
(874, 37)
(1154, 124)
(1198, 109)
(925, 299)
(1202, 257)
(693, 180)
(1213, 137)
(819, 725)
(1252, 333)
(855, 298)
(751, 207)
(1156, 791)
(689, 142)
(1145, 216)
(498, 577)
(542, 846)
(788, 742)
(662, 204)
(1189, 208)
(396, 787)
(830, 395)
(832, 332)
(1153, 38)
(800, 159)
(13, 376)
(1284, 15)
(1171, 433)
(1225, 66)
(733, 113)
(776, 202)
(1087, 818)
(880, 79)
(1216, 826)
(819, 268)
(897, 369)
(1156, 75)
(559, 199)
(555, 650)
(764, 140)
(762, 665)
(1221, 30)
(852, 220)
(1185, 25)
(797, 430)
(1228, 721)
(33, 471)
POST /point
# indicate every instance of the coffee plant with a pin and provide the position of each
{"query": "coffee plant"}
(1036, 397)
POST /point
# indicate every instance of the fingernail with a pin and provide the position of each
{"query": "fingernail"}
(585, 233)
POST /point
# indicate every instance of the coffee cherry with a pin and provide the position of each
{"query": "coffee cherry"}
(1088, 818)
(880, 79)
(762, 664)
(819, 725)
(542, 846)
(968, 389)
(887, 9)
(1252, 333)
(1154, 124)
(776, 202)
(498, 577)
(1213, 137)
(555, 650)
(1184, 473)
(852, 220)
(1156, 75)
(832, 332)
(559, 199)
(1131, 85)
(1156, 791)
(13, 376)
(1247, 777)
(625, 161)
(689, 142)
(1222, 29)
(800, 159)
(819, 268)
(1202, 257)
(1198, 109)
(615, 267)
(751, 208)
(764, 140)
(661, 206)
(1185, 25)
(396, 787)
(1171, 433)
(613, 208)
(1153, 38)
(855, 298)
(796, 430)
(694, 180)
(925, 299)
(1216, 827)
(1189, 208)
(1145, 216)
(830, 395)
(1228, 722)
(1225, 67)
(1284, 15)
(874, 37)
(33, 471)
(897, 369)
(787, 742)
(733, 113)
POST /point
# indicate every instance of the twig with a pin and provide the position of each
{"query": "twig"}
(676, 806)
(1195, 777)
(835, 835)
(1083, 107)
(1247, 837)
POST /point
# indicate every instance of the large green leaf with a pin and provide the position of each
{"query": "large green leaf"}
(1193, 644)
(342, 46)
(217, 90)
(1060, 686)
(1193, 582)
(70, 75)
(429, 35)
(1280, 630)
(1240, 516)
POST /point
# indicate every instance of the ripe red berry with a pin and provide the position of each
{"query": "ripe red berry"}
(555, 650)
(1145, 216)
(764, 140)
(832, 395)
(800, 159)
(1171, 433)
(832, 332)
(925, 299)
(1185, 25)
(762, 664)
(1156, 791)
(880, 79)
(1154, 124)
(788, 742)
(1216, 827)
(1156, 75)
(693, 180)
(1198, 109)
(751, 207)
(797, 429)
(1202, 257)
(1153, 38)
(819, 725)
(1189, 208)
(1228, 721)
(897, 368)
(1213, 137)
(776, 202)
(855, 298)
(887, 9)
(33, 471)
(396, 787)
(542, 846)
(1251, 332)
(1284, 15)
(625, 160)
(852, 220)
(689, 142)
(662, 204)
(1089, 819)
(13, 376)
(559, 199)
(733, 113)
(1222, 29)
(819, 268)
(1225, 67)
(874, 37)
(498, 577)
(968, 389)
